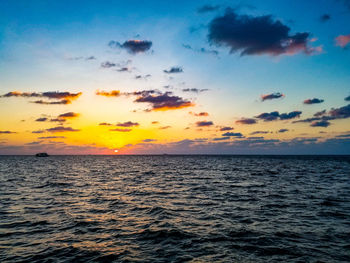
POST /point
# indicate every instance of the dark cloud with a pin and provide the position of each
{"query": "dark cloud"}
(320, 124)
(62, 97)
(233, 134)
(61, 102)
(313, 101)
(347, 98)
(112, 93)
(325, 17)
(259, 35)
(41, 119)
(275, 115)
(200, 114)
(221, 138)
(320, 113)
(163, 101)
(246, 121)
(207, 8)
(194, 90)
(105, 124)
(68, 115)
(226, 128)
(132, 46)
(7, 132)
(290, 115)
(259, 132)
(62, 129)
(271, 96)
(340, 113)
(204, 123)
(282, 130)
(128, 124)
(121, 130)
(173, 70)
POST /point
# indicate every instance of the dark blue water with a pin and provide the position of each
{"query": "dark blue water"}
(174, 209)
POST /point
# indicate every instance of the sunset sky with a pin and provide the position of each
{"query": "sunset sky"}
(176, 77)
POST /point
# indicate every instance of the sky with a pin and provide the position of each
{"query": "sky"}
(175, 77)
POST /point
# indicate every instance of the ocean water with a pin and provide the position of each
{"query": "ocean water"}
(174, 209)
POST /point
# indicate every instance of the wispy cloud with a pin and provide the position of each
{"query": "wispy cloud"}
(121, 130)
(128, 124)
(207, 8)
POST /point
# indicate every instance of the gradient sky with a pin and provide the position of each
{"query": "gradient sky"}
(184, 77)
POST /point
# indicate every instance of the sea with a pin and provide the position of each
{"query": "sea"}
(175, 208)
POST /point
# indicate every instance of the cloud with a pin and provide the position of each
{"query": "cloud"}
(132, 46)
(39, 131)
(320, 113)
(163, 101)
(7, 132)
(313, 101)
(68, 115)
(41, 119)
(128, 124)
(194, 90)
(105, 124)
(325, 18)
(221, 138)
(149, 140)
(201, 50)
(108, 64)
(282, 130)
(155, 122)
(271, 96)
(259, 132)
(201, 114)
(342, 40)
(143, 76)
(62, 129)
(340, 113)
(275, 115)
(112, 93)
(246, 121)
(51, 137)
(226, 128)
(207, 8)
(164, 127)
(233, 134)
(62, 97)
(121, 130)
(204, 123)
(173, 70)
(347, 98)
(320, 124)
(259, 35)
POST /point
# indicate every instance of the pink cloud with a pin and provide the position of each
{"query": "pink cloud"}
(342, 40)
